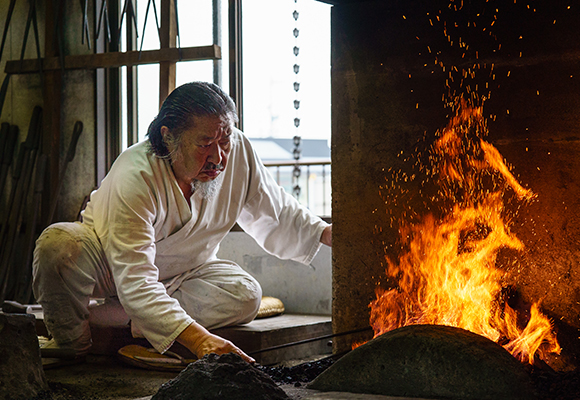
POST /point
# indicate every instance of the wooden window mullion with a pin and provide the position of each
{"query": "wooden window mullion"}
(167, 69)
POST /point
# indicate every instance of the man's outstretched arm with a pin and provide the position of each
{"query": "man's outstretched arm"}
(201, 342)
(326, 237)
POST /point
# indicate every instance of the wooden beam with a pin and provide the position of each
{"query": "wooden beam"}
(168, 30)
(51, 118)
(116, 59)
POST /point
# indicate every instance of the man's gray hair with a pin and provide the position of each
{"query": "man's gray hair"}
(182, 106)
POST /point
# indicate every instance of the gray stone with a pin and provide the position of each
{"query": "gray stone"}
(430, 361)
(21, 373)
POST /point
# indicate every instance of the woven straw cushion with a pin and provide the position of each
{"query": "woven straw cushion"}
(269, 307)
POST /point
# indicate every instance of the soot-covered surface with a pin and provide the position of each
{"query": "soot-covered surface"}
(105, 378)
(549, 385)
(430, 361)
(557, 385)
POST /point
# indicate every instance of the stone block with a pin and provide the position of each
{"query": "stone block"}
(430, 361)
(21, 373)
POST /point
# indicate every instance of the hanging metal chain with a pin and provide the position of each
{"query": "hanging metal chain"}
(297, 140)
(296, 172)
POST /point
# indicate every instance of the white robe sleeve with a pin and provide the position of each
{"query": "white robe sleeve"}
(279, 224)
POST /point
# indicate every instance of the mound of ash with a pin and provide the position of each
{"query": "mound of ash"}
(226, 376)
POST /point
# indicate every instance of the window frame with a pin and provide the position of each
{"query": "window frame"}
(109, 88)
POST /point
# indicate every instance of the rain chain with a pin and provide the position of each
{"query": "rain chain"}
(297, 151)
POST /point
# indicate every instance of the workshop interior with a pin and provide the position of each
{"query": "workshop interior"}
(450, 176)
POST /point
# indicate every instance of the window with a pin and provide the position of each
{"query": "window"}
(268, 68)
(286, 46)
(269, 77)
(196, 21)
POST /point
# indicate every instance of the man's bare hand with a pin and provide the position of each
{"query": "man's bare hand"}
(215, 344)
(326, 237)
(201, 342)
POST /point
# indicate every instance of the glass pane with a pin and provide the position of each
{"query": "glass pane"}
(224, 44)
(268, 68)
(148, 39)
(195, 22)
(289, 50)
(189, 71)
(148, 97)
(195, 29)
(194, 18)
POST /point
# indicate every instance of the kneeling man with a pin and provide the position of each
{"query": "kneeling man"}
(150, 233)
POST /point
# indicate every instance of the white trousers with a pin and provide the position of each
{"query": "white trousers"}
(70, 268)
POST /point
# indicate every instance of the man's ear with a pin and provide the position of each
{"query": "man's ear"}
(165, 132)
(167, 138)
(169, 141)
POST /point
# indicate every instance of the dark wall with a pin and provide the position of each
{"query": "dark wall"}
(78, 104)
(393, 88)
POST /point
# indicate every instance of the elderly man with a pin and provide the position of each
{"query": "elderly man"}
(151, 232)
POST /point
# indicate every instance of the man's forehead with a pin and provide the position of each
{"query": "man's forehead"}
(209, 127)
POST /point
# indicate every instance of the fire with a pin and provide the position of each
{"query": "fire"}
(447, 273)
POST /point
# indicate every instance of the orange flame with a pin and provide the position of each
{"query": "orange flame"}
(447, 273)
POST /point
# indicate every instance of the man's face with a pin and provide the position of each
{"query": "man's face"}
(204, 150)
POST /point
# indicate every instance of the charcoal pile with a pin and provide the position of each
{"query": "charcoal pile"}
(298, 374)
(225, 376)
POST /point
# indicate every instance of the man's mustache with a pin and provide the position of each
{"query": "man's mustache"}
(212, 167)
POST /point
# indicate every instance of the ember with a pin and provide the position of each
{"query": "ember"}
(447, 272)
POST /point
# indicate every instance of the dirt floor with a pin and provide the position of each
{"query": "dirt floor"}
(103, 378)
(108, 378)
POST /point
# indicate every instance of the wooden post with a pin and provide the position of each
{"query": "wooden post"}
(113, 96)
(168, 39)
(52, 109)
(235, 40)
(132, 104)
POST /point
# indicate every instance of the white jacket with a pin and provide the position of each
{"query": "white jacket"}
(150, 234)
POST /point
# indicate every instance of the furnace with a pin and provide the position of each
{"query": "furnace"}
(398, 69)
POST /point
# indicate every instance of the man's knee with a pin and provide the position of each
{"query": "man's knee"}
(56, 248)
(58, 259)
(225, 295)
(251, 299)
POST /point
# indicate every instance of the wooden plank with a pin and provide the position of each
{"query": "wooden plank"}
(282, 322)
(167, 79)
(116, 59)
(274, 331)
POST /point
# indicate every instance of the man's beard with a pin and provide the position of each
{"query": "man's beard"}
(209, 189)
